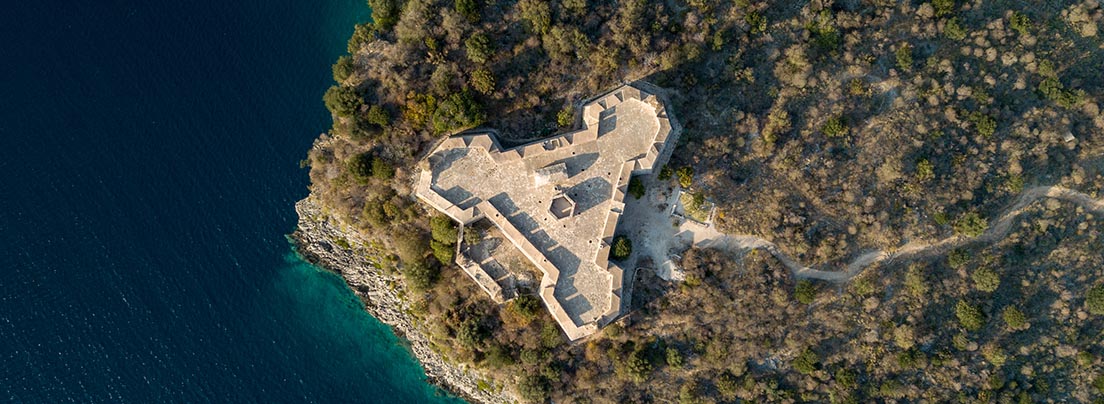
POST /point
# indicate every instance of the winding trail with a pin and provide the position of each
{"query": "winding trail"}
(998, 229)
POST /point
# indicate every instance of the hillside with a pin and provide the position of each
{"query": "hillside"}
(927, 132)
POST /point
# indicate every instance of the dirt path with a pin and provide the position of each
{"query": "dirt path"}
(998, 229)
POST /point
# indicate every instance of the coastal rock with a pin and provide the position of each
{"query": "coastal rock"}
(315, 239)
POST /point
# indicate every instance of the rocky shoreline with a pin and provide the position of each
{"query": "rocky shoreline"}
(315, 239)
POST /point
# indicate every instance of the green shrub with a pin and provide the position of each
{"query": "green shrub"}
(566, 116)
(846, 378)
(636, 187)
(385, 13)
(685, 176)
(482, 81)
(1098, 383)
(622, 248)
(497, 357)
(1020, 23)
(381, 169)
(985, 125)
(1085, 359)
(805, 292)
(806, 362)
(674, 358)
(443, 229)
(343, 68)
(1094, 300)
(665, 173)
(533, 388)
(458, 111)
(377, 116)
(1013, 318)
(469, 9)
(360, 166)
(904, 57)
(986, 279)
(836, 127)
(471, 333)
(637, 367)
(478, 48)
(969, 317)
(943, 7)
(915, 283)
(342, 101)
(526, 306)
(550, 335)
(971, 224)
(1053, 90)
(419, 276)
(925, 170)
(757, 23)
(444, 253)
(958, 258)
(954, 31)
(727, 385)
(994, 355)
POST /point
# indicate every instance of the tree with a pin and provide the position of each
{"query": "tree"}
(685, 176)
(727, 385)
(985, 125)
(836, 127)
(969, 317)
(377, 116)
(954, 31)
(904, 57)
(622, 248)
(533, 388)
(342, 101)
(943, 7)
(360, 166)
(479, 48)
(915, 283)
(442, 229)
(971, 224)
(566, 116)
(665, 173)
(674, 358)
(469, 9)
(385, 13)
(636, 187)
(343, 68)
(986, 279)
(1094, 300)
(1013, 318)
(444, 253)
(537, 14)
(637, 366)
(419, 276)
(471, 333)
(805, 292)
(458, 111)
(806, 362)
(482, 81)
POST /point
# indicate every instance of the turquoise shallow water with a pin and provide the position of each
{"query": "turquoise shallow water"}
(149, 158)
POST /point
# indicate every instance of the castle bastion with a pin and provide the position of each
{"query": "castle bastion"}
(557, 200)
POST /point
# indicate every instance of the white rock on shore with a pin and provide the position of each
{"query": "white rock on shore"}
(315, 240)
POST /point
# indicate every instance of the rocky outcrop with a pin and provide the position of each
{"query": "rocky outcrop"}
(316, 240)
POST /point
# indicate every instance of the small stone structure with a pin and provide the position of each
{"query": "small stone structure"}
(556, 200)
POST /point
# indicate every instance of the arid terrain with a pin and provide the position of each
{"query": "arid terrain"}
(908, 194)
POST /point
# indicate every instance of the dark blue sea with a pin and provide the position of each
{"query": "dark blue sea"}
(149, 163)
